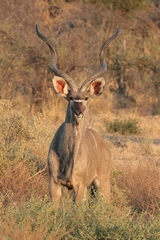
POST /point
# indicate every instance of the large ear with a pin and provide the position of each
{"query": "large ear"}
(96, 87)
(60, 86)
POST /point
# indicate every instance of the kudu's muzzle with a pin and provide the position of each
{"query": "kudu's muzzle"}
(78, 111)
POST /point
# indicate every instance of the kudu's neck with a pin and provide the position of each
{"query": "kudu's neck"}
(73, 135)
(72, 129)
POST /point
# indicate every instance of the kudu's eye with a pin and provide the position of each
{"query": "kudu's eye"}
(86, 99)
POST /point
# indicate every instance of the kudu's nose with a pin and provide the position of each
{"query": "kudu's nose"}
(78, 113)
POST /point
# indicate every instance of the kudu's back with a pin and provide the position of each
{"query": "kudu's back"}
(78, 157)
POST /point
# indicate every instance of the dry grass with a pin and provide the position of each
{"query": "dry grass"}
(142, 187)
(22, 158)
(12, 231)
(20, 184)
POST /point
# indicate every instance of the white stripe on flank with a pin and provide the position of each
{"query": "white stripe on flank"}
(94, 139)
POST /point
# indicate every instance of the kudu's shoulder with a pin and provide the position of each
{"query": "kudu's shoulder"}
(57, 137)
(92, 135)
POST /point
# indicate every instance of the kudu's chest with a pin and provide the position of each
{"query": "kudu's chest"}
(78, 160)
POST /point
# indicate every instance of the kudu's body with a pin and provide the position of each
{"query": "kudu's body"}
(78, 157)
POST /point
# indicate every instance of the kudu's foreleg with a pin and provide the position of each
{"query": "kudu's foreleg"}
(80, 193)
(55, 192)
(104, 186)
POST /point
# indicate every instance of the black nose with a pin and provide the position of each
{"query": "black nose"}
(78, 113)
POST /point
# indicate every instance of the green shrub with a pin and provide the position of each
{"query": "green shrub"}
(37, 219)
(13, 133)
(155, 110)
(123, 5)
(124, 127)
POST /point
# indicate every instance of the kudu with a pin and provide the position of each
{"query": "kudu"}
(78, 157)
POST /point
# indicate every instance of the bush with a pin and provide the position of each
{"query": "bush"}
(13, 132)
(124, 127)
(123, 5)
(23, 169)
(37, 219)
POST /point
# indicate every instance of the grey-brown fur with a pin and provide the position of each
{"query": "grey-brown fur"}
(78, 157)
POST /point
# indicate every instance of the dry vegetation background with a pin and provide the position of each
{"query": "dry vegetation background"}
(127, 115)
